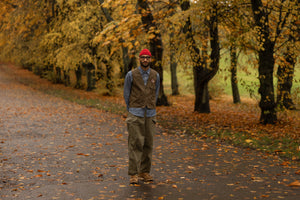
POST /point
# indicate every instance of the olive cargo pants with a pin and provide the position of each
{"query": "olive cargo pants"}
(140, 143)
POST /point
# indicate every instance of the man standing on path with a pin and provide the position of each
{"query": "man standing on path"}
(141, 90)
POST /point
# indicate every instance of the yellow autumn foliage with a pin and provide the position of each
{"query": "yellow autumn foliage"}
(76, 32)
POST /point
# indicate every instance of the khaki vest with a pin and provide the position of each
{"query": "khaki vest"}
(141, 95)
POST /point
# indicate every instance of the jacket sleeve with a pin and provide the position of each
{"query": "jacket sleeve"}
(127, 88)
(157, 86)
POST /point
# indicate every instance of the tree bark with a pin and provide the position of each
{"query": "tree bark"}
(266, 64)
(214, 42)
(109, 76)
(200, 82)
(202, 100)
(202, 73)
(90, 75)
(233, 70)
(78, 74)
(286, 69)
(173, 66)
(156, 47)
(285, 74)
(173, 62)
(66, 78)
(58, 78)
(266, 89)
(129, 60)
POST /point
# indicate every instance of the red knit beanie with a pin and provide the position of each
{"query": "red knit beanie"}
(145, 52)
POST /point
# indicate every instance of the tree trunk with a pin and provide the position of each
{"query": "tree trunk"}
(201, 92)
(109, 77)
(286, 69)
(214, 43)
(173, 62)
(266, 65)
(210, 71)
(266, 89)
(233, 70)
(285, 74)
(58, 75)
(66, 78)
(200, 82)
(202, 73)
(155, 44)
(78, 74)
(129, 60)
(173, 66)
(90, 75)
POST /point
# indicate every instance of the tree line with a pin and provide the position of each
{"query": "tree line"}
(92, 44)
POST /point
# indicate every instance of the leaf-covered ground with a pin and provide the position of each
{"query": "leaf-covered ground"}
(224, 115)
(236, 123)
(51, 148)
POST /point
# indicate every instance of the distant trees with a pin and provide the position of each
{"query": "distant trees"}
(93, 44)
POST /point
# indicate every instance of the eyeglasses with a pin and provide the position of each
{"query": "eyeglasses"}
(145, 57)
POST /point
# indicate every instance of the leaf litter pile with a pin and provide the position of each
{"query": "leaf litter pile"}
(83, 150)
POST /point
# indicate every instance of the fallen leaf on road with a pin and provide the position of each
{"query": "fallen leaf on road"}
(257, 179)
(82, 154)
(295, 184)
(265, 195)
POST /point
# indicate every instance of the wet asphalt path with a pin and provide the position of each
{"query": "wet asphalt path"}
(54, 149)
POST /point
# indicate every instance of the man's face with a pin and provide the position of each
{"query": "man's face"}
(145, 61)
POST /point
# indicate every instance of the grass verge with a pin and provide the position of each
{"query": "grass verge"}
(284, 147)
(99, 103)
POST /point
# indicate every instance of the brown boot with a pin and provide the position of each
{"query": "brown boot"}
(146, 177)
(134, 179)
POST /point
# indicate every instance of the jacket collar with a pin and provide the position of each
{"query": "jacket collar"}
(143, 71)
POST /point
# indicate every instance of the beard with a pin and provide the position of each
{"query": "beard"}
(145, 64)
